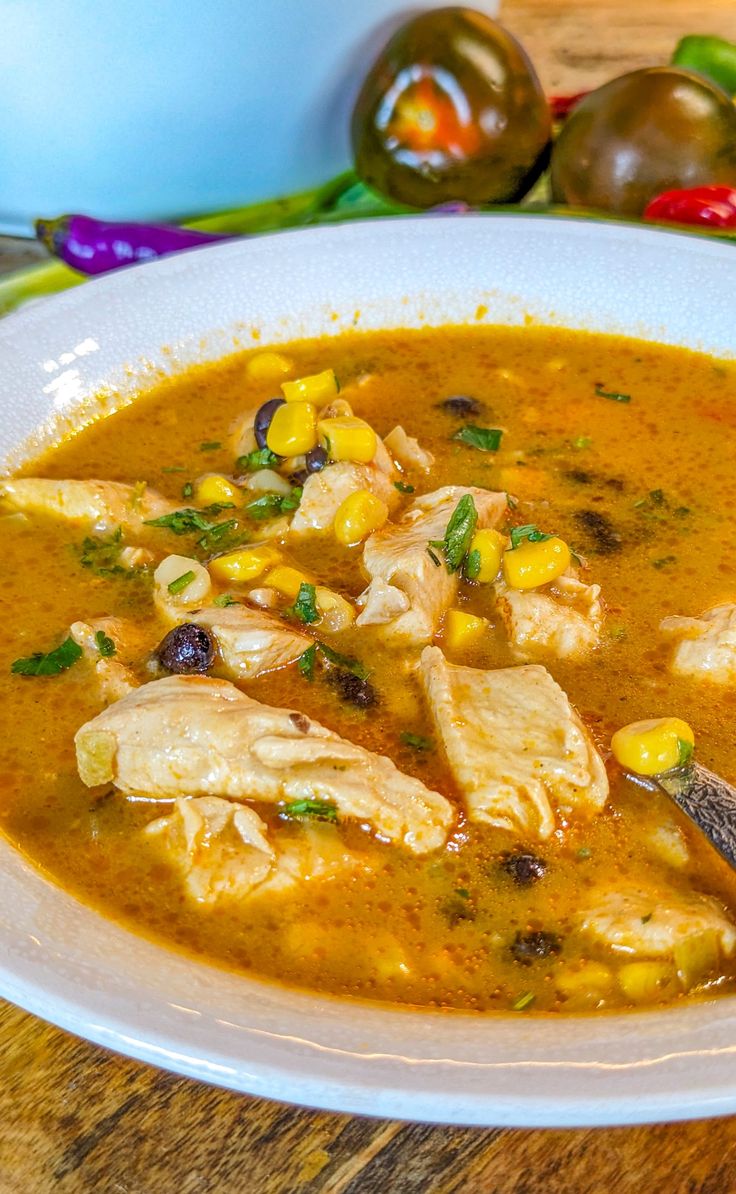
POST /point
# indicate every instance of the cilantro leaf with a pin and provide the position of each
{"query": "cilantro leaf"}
(471, 568)
(224, 600)
(104, 644)
(684, 752)
(529, 532)
(347, 662)
(182, 522)
(614, 395)
(305, 662)
(102, 555)
(270, 504)
(458, 533)
(305, 810)
(305, 606)
(486, 439)
(52, 664)
(210, 445)
(417, 741)
(258, 458)
(403, 487)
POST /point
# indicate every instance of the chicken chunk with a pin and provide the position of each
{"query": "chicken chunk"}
(562, 619)
(324, 493)
(704, 647)
(516, 746)
(114, 679)
(407, 451)
(251, 641)
(652, 923)
(194, 736)
(403, 575)
(101, 505)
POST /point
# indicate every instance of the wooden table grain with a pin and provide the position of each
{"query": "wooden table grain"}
(75, 1118)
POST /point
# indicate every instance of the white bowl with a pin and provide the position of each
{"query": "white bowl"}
(69, 965)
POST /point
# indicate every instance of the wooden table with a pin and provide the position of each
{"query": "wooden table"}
(74, 1118)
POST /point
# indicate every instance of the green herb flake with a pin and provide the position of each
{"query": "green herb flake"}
(403, 487)
(684, 752)
(56, 661)
(485, 439)
(104, 644)
(182, 522)
(310, 810)
(434, 557)
(181, 583)
(613, 395)
(225, 600)
(584, 853)
(305, 606)
(581, 442)
(258, 458)
(530, 533)
(458, 533)
(221, 536)
(174, 468)
(306, 662)
(346, 662)
(210, 445)
(417, 741)
(102, 555)
(458, 907)
(523, 1002)
(271, 504)
(663, 562)
(471, 567)
(187, 489)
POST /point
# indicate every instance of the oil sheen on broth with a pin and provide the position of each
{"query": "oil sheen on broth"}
(622, 449)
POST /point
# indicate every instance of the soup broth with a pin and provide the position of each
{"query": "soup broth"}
(623, 450)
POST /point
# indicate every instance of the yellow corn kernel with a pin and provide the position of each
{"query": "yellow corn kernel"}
(589, 981)
(490, 547)
(533, 564)
(286, 580)
(214, 488)
(317, 388)
(245, 564)
(461, 629)
(348, 438)
(644, 982)
(266, 366)
(293, 429)
(359, 516)
(335, 610)
(649, 747)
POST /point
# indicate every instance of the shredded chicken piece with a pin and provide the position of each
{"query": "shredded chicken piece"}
(704, 647)
(517, 748)
(407, 451)
(562, 619)
(652, 922)
(102, 505)
(402, 570)
(324, 493)
(251, 641)
(194, 736)
(112, 675)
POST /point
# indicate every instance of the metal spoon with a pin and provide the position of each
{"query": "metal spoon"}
(708, 801)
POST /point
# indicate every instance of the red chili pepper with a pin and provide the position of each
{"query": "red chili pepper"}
(562, 105)
(712, 206)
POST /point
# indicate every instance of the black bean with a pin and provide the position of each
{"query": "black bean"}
(262, 421)
(352, 689)
(187, 650)
(524, 869)
(315, 459)
(603, 536)
(461, 405)
(530, 947)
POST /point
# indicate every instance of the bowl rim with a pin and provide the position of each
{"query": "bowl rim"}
(502, 1070)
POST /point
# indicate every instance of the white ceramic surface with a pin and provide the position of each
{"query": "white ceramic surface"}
(62, 961)
(127, 109)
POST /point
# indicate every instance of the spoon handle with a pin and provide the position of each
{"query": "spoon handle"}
(708, 801)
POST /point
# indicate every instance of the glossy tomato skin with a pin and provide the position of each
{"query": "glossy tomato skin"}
(650, 131)
(451, 109)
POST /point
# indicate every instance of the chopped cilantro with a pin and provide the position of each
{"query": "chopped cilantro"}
(181, 583)
(258, 458)
(52, 664)
(684, 752)
(471, 568)
(403, 487)
(101, 555)
(174, 468)
(530, 532)
(305, 606)
(182, 522)
(310, 810)
(458, 533)
(224, 600)
(187, 489)
(305, 662)
(270, 504)
(614, 395)
(104, 644)
(584, 853)
(417, 742)
(523, 1002)
(581, 441)
(486, 439)
(219, 535)
(664, 562)
(210, 445)
(347, 662)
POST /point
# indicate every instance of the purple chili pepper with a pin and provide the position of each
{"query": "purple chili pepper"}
(94, 247)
